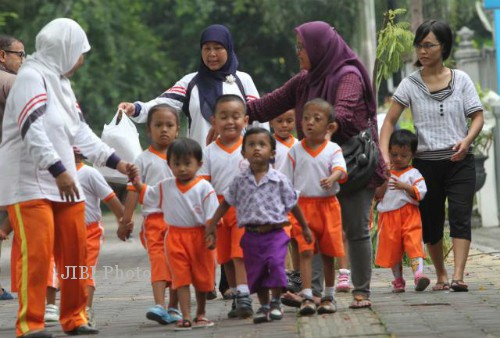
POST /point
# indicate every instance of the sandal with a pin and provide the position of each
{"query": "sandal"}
(328, 305)
(291, 299)
(307, 308)
(360, 302)
(183, 325)
(202, 322)
(458, 285)
(441, 286)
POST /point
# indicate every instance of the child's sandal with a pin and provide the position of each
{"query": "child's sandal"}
(202, 322)
(327, 306)
(308, 307)
(184, 325)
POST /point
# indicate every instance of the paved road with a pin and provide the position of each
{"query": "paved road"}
(123, 294)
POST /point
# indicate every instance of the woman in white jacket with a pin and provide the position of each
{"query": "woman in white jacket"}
(39, 184)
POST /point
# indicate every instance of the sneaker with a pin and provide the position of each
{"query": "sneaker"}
(6, 295)
(398, 285)
(343, 281)
(263, 315)
(276, 312)
(158, 314)
(421, 282)
(232, 313)
(90, 317)
(294, 282)
(244, 305)
(51, 313)
(328, 305)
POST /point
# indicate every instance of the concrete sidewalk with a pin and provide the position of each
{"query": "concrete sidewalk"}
(123, 295)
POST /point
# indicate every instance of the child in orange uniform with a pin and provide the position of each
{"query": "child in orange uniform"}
(187, 202)
(163, 128)
(316, 166)
(222, 161)
(399, 223)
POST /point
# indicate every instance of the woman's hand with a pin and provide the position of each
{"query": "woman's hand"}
(461, 148)
(67, 187)
(127, 107)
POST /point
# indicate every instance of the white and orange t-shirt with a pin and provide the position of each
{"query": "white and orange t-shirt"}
(282, 149)
(185, 206)
(306, 168)
(397, 198)
(153, 168)
(95, 189)
(222, 164)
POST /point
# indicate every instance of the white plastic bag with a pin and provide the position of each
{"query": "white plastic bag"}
(120, 134)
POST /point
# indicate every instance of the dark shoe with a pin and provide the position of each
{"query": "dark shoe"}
(212, 295)
(82, 331)
(291, 299)
(244, 305)
(294, 282)
(233, 313)
(37, 334)
(262, 315)
(6, 295)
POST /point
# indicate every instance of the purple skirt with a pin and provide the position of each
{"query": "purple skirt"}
(264, 257)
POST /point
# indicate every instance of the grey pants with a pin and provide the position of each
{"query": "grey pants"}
(355, 221)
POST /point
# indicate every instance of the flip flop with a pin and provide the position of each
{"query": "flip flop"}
(202, 322)
(458, 285)
(360, 302)
(441, 286)
(292, 302)
(183, 325)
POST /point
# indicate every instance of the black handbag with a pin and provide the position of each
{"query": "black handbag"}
(361, 156)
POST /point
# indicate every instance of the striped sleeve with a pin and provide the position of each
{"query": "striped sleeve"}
(173, 96)
(472, 103)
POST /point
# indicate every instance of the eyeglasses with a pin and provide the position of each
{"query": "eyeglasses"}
(426, 46)
(21, 54)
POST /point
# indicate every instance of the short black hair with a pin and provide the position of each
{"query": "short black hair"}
(230, 98)
(6, 41)
(183, 148)
(259, 130)
(324, 105)
(443, 34)
(404, 138)
(159, 107)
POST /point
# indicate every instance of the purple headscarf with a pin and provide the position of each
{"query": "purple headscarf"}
(210, 82)
(331, 58)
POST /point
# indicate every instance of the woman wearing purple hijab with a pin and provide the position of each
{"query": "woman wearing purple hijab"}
(195, 93)
(332, 71)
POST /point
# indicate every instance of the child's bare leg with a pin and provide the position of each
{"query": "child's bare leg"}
(201, 301)
(159, 292)
(294, 252)
(329, 270)
(276, 293)
(240, 275)
(51, 295)
(263, 295)
(173, 300)
(306, 272)
(230, 274)
(185, 301)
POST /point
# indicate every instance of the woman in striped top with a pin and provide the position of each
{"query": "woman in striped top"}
(442, 100)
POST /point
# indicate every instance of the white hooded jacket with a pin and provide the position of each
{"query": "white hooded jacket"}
(43, 121)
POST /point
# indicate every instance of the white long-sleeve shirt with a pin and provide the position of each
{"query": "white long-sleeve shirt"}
(35, 138)
(176, 95)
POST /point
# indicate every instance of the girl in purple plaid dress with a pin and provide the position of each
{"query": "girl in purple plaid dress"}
(262, 197)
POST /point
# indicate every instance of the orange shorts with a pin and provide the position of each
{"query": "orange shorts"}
(228, 237)
(189, 259)
(95, 237)
(324, 218)
(152, 236)
(399, 231)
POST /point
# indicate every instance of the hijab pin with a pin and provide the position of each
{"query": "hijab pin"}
(230, 79)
